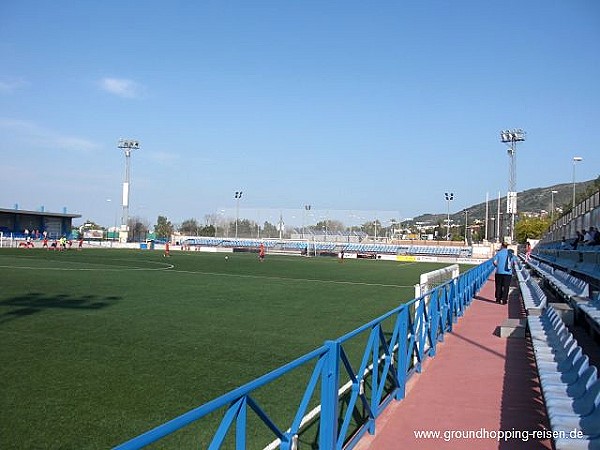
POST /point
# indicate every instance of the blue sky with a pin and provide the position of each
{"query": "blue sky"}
(344, 105)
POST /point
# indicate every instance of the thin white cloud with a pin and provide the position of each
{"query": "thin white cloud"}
(30, 133)
(10, 86)
(121, 87)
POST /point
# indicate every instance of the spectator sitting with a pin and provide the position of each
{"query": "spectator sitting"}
(577, 240)
(588, 236)
(595, 236)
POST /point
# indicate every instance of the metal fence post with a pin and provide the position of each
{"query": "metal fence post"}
(329, 396)
(402, 366)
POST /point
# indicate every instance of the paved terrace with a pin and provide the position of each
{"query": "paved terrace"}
(477, 380)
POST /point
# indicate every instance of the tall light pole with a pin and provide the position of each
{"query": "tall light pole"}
(498, 220)
(127, 145)
(511, 137)
(576, 159)
(238, 196)
(486, 215)
(466, 226)
(281, 225)
(375, 225)
(449, 197)
(552, 206)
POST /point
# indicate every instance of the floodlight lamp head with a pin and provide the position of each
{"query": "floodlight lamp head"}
(128, 145)
(577, 159)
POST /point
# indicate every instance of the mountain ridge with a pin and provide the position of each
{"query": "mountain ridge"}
(532, 201)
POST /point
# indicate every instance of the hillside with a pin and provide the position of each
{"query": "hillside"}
(531, 201)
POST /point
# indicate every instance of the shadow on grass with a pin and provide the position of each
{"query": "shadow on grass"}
(36, 302)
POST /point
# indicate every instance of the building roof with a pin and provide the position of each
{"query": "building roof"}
(38, 213)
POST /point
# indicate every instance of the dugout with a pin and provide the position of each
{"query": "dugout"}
(16, 221)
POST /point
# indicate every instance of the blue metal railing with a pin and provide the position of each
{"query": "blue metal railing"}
(385, 366)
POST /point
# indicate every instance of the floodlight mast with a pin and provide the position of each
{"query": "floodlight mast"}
(237, 196)
(511, 137)
(127, 145)
(449, 197)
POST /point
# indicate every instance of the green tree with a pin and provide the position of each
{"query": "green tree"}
(208, 230)
(138, 229)
(189, 227)
(531, 228)
(245, 228)
(371, 227)
(269, 230)
(163, 228)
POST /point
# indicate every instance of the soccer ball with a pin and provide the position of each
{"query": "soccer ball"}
(227, 257)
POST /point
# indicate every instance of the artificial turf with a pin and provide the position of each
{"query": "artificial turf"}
(99, 346)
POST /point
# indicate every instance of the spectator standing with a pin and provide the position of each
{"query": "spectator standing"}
(503, 261)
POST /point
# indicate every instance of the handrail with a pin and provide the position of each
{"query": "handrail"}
(418, 326)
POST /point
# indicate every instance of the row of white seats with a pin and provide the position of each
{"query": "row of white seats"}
(569, 286)
(591, 309)
(534, 298)
(570, 385)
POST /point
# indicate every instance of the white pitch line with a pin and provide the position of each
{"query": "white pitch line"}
(354, 283)
(90, 269)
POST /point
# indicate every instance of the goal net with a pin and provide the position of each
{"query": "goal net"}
(429, 280)
(289, 246)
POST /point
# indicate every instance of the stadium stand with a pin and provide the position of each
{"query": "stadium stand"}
(534, 298)
(590, 312)
(570, 386)
(568, 381)
(567, 285)
(352, 247)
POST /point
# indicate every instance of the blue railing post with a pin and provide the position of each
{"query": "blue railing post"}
(402, 364)
(328, 428)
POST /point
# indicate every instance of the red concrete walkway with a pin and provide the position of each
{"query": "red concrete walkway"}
(476, 382)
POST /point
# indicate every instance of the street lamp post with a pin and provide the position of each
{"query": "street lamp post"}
(375, 226)
(466, 226)
(576, 159)
(449, 197)
(552, 205)
(238, 196)
(127, 145)
(109, 200)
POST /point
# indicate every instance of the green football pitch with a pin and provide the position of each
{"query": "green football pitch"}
(99, 346)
